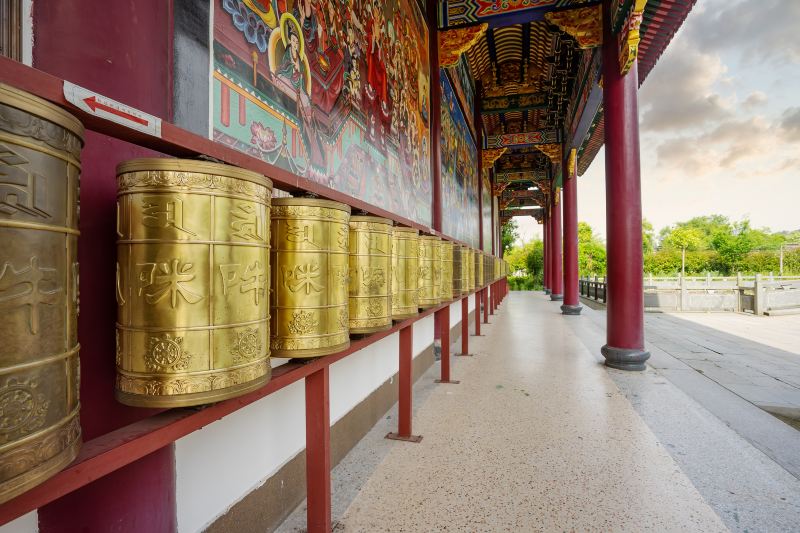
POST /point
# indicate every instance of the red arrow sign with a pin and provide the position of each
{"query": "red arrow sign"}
(95, 105)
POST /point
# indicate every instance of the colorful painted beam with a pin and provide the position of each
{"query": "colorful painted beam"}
(466, 12)
(519, 102)
(521, 175)
(528, 138)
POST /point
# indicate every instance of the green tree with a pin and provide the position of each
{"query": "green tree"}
(648, 237)
(508, 235)
(591, 252)
(684, 238)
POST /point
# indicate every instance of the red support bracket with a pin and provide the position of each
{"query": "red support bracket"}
(444, 333)
(405, 384)
(464, 328)
(318, 451)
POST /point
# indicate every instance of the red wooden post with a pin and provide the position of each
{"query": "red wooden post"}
(405, 384)
(546, 244)
(487, 304)
(624, 347)
(477, 313)
(318, 451)
(444, 324)
(571, 304)
(465, 326)
(556, 279)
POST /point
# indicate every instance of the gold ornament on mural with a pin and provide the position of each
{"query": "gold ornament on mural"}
(490, 155)
(370, 274)
(552, 151)
(584, 24)
(571, 161)
(430, 271)
(309, 296)
(40, 150)
(405, 273)
(628, 38)
(192, 279)
(453, 43)
(446, 262)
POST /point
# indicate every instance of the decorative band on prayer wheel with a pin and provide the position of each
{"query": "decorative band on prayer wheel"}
(405, 273)
(40, 149)
(430, 271)
(192, 274)
(370, 274)
(479, 281)
(446, 258)
(458, 277)
(310, 277)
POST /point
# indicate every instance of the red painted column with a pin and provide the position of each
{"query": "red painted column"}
(571, 304)
(624, 347)
(477, 313)
(487, 305)
(318, 451)
(464, 326)
(444, 321)
(556, 279)
(404, 385)
(491, 290)
(431, 12)
(546, 243)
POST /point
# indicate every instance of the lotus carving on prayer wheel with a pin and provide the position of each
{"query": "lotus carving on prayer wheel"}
(40, 150)
(192, 274)
(309, 300)
(405, 273)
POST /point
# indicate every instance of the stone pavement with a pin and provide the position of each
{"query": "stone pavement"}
(540, 436)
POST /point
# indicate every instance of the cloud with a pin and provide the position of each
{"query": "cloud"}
(754, 100)
(680, 93)
(790, 124)
(765, 30)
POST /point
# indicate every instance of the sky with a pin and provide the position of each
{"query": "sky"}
(719, 122)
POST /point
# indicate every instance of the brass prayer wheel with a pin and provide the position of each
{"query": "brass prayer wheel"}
(446, 259)
(310, 280)
(40, 149)
(430, 271)
(405, 273)
(192, 274)
(370, 274)
(470, 269)
(488, 268)
(479, 269)
(458, 277)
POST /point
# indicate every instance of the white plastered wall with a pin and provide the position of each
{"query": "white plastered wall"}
(220, 464)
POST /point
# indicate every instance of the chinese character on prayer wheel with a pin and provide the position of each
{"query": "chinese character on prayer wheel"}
(192, 279)
(370, 274)
(446, 287)
(310, 277)
(430, 271)
(405, 273)
(40, 149)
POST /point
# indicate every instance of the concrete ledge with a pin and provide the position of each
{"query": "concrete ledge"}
(266, 507)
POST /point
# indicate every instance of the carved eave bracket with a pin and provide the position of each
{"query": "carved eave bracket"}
(628, 38)
(489, 156)
(498, 188)
(584, 24)
(453, 43)
(552, 151)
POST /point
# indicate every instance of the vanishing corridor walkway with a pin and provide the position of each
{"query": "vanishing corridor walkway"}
(539, 436)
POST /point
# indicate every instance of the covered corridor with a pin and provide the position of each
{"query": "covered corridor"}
(540, 436)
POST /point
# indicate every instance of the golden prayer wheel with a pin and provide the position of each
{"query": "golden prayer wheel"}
(405, 273)
(464, 270)
(470, 269)
(370, 274)
(40, 149)
(446, 259)
(479, 280)
(310, 277)
(458, 277)
(430, 271)
(488, 268)
(192, 274)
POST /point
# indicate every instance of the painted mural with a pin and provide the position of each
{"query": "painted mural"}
(459, 171)
(486, 211)
(464, 87)
(335, 91)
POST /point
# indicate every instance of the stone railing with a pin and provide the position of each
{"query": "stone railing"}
(760, 295)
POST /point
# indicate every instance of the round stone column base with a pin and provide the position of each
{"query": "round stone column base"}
(547, 291)
(556, 297)
(625, 358)
(571, 309)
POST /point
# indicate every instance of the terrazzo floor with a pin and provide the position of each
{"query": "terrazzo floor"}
(539, 436)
